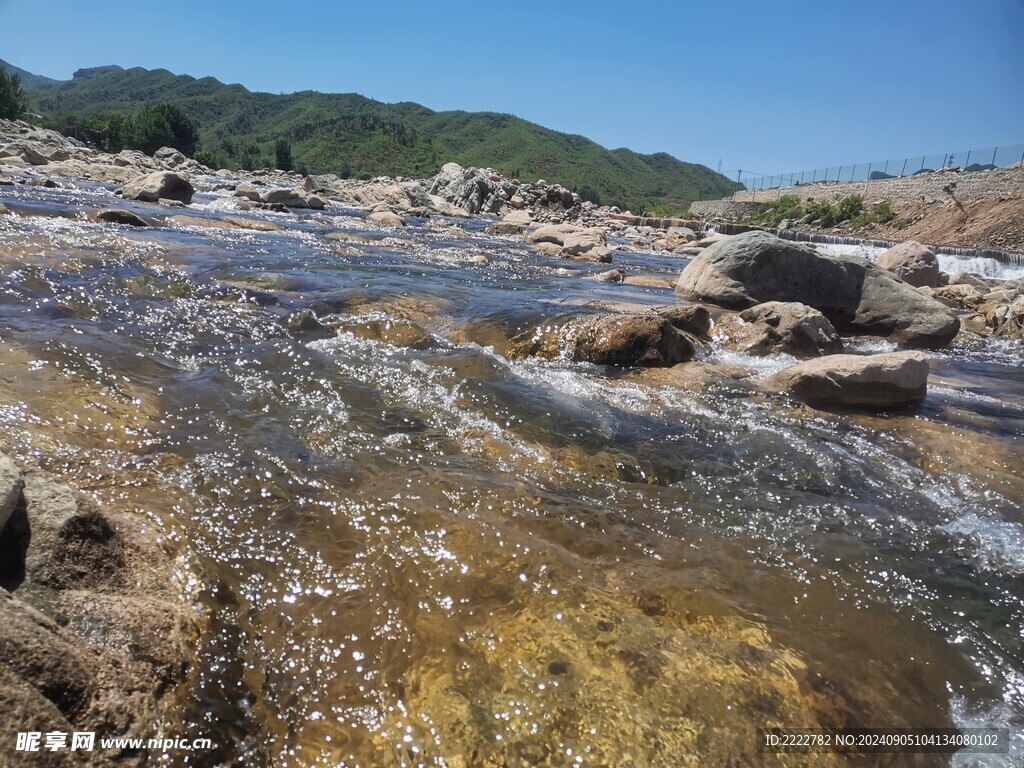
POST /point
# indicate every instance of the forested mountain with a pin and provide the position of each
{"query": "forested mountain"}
(352, 135)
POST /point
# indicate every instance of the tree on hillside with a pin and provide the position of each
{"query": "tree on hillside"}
(183, 130)
(283, 153)
(13, 103)
(150, 130)
(109, 131)
(250, 156)
(162, 125)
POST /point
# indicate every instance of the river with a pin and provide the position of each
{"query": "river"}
(404, 548)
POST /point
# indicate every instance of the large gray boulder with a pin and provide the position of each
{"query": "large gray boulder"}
(854, 294)
(159, 185)
(467, 188)
(912, 262)
(170, 156)
(895, 378)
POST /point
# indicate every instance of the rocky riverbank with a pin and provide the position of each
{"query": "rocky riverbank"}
(93, 630)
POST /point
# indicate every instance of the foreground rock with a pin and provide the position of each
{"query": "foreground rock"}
(87, 642)
(159, 185)
(896, 378)
(10, 489)
(912, 262)
(855, 295)
(780, 326)
(633, 339)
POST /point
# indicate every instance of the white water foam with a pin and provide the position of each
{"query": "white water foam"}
(975, 265)
(997, 714)
(998, 544)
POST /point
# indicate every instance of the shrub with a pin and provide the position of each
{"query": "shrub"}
(150, 130)
(207, 158)
(786, 207)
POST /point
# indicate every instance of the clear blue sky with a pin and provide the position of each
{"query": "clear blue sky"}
(764, 86)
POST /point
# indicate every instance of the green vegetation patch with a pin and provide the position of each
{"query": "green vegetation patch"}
(824, 213)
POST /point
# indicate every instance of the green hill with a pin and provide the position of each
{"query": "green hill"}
(349, 134)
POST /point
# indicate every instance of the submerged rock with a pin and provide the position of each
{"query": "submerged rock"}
(895, 378)
(117, 216)
(855, 295)
(912, 262)
(159, 185)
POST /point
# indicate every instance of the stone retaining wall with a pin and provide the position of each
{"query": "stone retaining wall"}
(1001, 183)
(712, 209)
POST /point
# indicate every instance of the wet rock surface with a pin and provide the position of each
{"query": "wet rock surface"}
(83, 649)
(858, 380)
(777, 326)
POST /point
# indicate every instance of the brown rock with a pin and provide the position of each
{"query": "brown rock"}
(691, 318)
(862, 380)
(912, 262)
(117, 216)
(778, 326)
(386, 219)
(630, 340)
(505, 228)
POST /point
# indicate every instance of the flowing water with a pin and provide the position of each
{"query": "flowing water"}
(405, 548)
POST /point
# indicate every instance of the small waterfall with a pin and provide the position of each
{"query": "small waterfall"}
(817, 237)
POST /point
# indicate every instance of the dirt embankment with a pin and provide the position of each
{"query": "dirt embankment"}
(983, 210)
(987, 224)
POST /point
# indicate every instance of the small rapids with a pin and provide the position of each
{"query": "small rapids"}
(405, 548)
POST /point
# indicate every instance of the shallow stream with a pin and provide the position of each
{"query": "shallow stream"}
(405, 549)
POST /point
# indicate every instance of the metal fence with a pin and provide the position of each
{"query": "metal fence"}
(968, 160)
